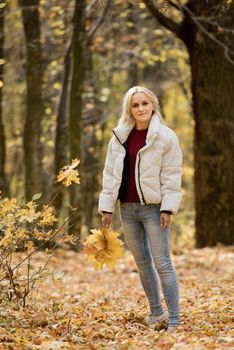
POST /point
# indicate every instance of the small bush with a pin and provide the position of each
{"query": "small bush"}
(26, 228)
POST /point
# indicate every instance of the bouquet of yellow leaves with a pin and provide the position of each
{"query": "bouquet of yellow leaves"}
(103, 247)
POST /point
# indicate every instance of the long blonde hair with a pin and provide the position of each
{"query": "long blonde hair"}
(126, 117)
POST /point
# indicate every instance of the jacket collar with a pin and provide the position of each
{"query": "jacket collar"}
(122, 131)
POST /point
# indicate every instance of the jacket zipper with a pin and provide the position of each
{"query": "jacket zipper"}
(123, 159)
(118, 138)
(139, 182)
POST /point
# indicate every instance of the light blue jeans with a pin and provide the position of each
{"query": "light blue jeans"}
(150, 246)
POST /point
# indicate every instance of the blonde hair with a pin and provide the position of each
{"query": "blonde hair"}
(126, 117)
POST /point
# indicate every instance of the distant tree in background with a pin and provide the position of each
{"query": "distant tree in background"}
(207, 31)
(61, 135)
(76, 124)
(131, 43)
(34, 105)
(92, 119)
(78, 64)
(3, 182)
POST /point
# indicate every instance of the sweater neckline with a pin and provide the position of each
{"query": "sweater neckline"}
(140, 130)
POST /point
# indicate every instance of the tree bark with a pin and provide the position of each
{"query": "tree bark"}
(78, 49)
(34, 113)
(132, 70)
(91, 119)
(61, 138)
(213, 105)
(91, 146)
(3, 182)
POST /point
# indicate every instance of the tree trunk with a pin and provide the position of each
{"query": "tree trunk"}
(61, 139)
(132, 70)
(91, 146)
(213, 103)
(34, 114)
(75, 108)
(3, 182)
(91, 120)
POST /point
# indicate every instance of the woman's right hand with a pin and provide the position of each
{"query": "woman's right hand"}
(106, 219)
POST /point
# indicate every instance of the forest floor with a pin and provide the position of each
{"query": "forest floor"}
(81, 308)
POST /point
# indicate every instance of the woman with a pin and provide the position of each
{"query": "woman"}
(143, 171)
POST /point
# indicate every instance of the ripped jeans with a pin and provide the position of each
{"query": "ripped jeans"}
(149, 244)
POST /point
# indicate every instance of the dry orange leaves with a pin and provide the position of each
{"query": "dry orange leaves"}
(82, 308)
(103, 248)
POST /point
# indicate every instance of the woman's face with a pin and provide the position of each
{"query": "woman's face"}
(141, 109)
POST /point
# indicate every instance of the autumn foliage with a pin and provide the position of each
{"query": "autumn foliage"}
(103, 247)
(68, 174)
(26, 228)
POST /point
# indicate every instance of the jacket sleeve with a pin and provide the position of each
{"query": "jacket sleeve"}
(106, 202)
(171, 175)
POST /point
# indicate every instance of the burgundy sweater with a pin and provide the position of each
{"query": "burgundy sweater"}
(136, 141)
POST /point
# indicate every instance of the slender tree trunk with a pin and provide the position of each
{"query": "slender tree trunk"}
(3, 182)
(131, 44)
(91, 146)
(92, 119)
(61, 139)
(213, 103)
(77, 86)
(34, 114)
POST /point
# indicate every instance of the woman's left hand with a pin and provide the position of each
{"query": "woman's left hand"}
(165, 220)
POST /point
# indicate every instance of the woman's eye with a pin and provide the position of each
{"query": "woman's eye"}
(145, 103)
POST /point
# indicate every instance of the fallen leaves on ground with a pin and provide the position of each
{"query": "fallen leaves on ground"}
(81, 308)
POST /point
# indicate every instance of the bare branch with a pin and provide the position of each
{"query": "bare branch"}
(90, 6)
(98, 24)
(173, 5)
(162, 19)
(226, 49)
(176, 28)
(214, 23)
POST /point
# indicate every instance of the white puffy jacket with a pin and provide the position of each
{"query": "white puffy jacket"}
(158, 169)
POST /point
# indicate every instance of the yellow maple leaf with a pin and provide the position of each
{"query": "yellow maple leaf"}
(115, 248)
(8, 205)
(103, 247)
(29, 213)
(20, 232)
(7, 239)
(68, 174)
(47, 217)
(41, 234)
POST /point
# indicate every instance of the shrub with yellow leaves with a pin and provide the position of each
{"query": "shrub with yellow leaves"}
(18, 220)
(103, 247)
(26, 228)
(23, 230)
